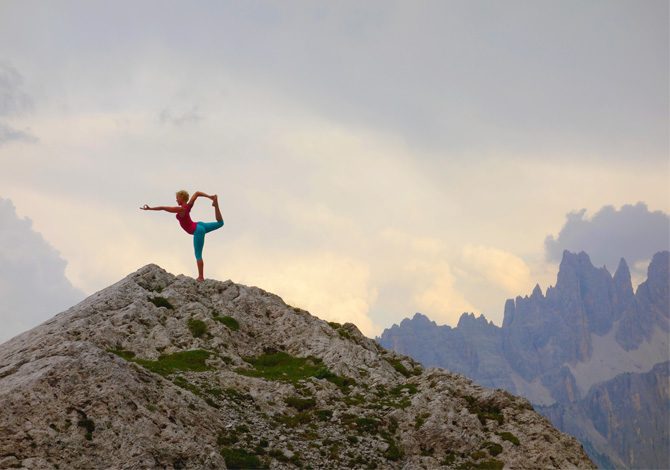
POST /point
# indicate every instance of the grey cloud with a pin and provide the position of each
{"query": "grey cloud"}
(550, 79)
(633, 232)
(179, 118)
(13, 100)
(9, 134)
(33, 286)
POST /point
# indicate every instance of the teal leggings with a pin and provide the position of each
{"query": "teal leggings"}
(199, 236)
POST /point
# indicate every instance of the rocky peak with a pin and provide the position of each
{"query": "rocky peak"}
(537, 292)
(622, 280)
(158, 371)
(421, 319)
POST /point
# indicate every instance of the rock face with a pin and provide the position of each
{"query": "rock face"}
(159, 371)
(589, 355)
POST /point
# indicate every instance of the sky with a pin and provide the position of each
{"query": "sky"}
(372, 159)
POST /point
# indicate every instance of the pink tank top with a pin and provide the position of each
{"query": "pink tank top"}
(184, 219)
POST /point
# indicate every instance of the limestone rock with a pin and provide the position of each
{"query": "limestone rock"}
(158, 371)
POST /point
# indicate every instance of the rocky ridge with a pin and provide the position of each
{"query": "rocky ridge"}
(578, 352)
(158, 371)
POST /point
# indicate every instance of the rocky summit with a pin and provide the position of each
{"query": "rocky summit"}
(158, 371)
(590, 354)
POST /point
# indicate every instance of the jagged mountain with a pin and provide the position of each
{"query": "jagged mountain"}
(158, 371)
(590, 354)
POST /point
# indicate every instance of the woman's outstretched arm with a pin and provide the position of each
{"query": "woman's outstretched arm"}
(161, 208)
(196, 195)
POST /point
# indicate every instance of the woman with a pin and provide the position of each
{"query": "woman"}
(198, 230)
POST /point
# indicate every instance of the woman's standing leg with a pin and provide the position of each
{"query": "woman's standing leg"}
(198, 244)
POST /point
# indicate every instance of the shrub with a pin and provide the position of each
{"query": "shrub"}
(508, 436)
(484, 410)
(88, 425)
(369, 425)
(240, 458)
(393, 452)
(300, 404)
(491, 464)
(227, 321)
(324, 415)
(197, 327)
(493, 448)
(420, 419)
(159, 301)
(397, 365)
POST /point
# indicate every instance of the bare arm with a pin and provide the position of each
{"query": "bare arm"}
(174, 210)
(196, 195)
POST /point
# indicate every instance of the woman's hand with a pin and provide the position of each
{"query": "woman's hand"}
(145, 208)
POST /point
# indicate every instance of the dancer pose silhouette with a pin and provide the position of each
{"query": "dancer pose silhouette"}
(198, 230)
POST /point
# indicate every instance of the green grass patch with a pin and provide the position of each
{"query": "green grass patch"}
(448, 459)
(300, 404)
(197, 327)
(292, 421)
(238, 458)
(236, 396)
(127, 355)
(227, 321)
(419, 420)
(490, 464)
(397, 365)
(393, 452)
(159, 301)
(324, 415)
(186, 385)
(367, 425)
(335, 325)
(508, 436)
(279, 365)
(180, 361)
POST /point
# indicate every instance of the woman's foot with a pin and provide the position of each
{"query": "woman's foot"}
(200, 279)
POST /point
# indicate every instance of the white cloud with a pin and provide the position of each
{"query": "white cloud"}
(330, 286)
(498, 267)
(439, 298)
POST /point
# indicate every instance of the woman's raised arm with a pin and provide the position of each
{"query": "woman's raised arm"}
(161, 208)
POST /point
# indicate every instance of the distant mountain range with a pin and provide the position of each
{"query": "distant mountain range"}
(590, 354)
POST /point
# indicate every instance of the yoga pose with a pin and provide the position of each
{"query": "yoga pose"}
(198, 230)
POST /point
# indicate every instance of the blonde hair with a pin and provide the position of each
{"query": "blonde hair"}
(182, 195)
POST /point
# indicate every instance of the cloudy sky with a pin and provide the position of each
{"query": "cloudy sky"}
(373, 159)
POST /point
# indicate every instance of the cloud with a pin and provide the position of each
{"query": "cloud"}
(33, 286)
(439, 298)
(330, 286)
(13, 102)
(498, 267)
(632, 232)
(180, 117)
(9, 134)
